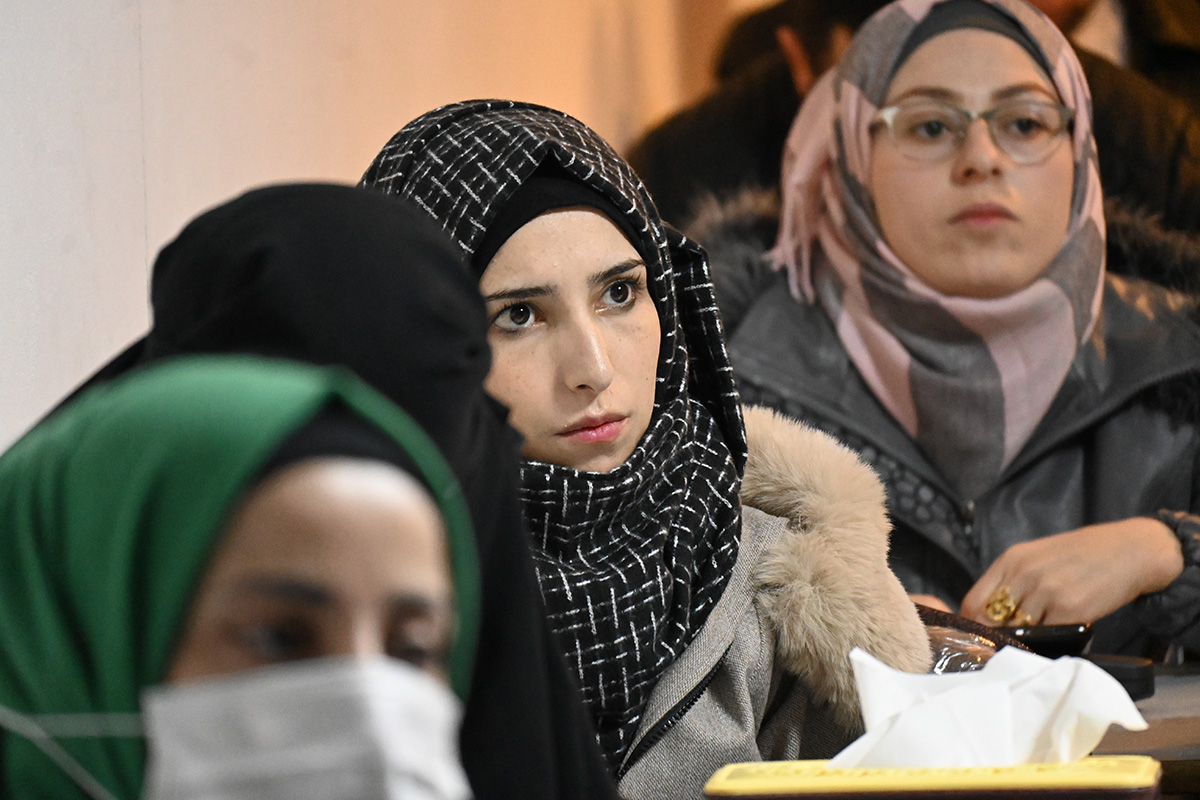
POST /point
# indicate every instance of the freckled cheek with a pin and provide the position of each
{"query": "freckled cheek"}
(642, 350)
(512, 380)
(648, 351)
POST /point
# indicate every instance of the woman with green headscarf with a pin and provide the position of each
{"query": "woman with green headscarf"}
(171, 539)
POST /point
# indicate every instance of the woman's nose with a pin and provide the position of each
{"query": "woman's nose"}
(585, 358)
(978, 156)
(355, 638)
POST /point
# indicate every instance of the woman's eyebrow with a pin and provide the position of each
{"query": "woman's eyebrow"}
(292, 590)
(531, 292)
(1021, 88)
(937, 93)
(619, 269)
(418, 605)
(522, 293)
(943, 95)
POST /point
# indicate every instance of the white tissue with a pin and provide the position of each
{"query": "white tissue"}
(1020, 708)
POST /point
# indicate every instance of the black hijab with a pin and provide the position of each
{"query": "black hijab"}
(547, 189)
(630, 561)
(337, 275)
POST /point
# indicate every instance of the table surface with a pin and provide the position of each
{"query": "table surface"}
(1173, 737)
(1174, 716)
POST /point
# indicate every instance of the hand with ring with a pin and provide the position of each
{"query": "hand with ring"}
(1077, 576)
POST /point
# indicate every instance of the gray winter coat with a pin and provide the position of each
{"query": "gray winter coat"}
(1122, 439)
(768, 676)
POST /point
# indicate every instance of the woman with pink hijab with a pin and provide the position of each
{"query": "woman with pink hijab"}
(942, 306)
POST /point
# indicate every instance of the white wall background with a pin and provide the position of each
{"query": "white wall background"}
(123, 119)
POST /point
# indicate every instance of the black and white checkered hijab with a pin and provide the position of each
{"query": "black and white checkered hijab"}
(632, 561)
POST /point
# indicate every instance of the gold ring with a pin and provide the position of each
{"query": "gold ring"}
(1001, 606)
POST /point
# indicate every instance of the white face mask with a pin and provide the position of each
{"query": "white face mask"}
(327, 728)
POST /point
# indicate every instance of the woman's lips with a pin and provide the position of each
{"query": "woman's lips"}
(595, 429)
(984, 215)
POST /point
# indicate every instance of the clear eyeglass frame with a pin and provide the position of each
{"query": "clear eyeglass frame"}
(903, 119)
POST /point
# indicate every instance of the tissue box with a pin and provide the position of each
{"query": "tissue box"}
(1093, 777)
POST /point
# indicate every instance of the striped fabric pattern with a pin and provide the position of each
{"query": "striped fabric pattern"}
(632, 561)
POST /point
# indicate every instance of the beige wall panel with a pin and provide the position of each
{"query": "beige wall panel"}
(129, 117)
(72, 213)
(243, 92)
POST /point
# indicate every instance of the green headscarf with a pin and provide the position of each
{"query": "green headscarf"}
(109, 514)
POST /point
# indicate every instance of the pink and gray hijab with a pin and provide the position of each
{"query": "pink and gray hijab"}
(968, 379)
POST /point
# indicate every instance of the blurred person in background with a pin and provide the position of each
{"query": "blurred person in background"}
(1159, 39)
(733, 138)
(336, 275)
(941, 304)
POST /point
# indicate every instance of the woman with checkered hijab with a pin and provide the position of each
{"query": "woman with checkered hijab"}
(706, 575)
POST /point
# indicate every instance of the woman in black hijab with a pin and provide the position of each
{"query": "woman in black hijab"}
(704, 628)
(340, 276)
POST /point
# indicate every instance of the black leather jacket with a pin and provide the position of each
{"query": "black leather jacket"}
(1122, 439)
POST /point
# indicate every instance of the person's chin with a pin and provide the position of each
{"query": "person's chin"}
(603, 461)
(591, 457)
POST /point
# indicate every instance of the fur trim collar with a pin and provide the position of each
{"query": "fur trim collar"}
(827, 587)
(1140, 247)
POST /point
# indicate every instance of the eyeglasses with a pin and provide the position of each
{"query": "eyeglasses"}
(1027, 130)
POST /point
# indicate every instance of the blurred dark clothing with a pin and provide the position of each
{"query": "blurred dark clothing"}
(335, 275)
(1164, 44)
(1148, 142)
(730, 140)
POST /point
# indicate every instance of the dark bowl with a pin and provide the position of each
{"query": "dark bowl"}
(1053, 641)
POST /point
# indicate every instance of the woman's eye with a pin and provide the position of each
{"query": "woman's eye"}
(278, 642)
(425, 646)
(925, 124)
(930, 129)
(418, 656)
(515, 317)
(622, 293)
(1026, 121)
(1028, 126)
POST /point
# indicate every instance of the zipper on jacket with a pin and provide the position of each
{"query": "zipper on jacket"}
(671, 718)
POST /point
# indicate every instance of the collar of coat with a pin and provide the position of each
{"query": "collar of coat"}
(826, 585)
